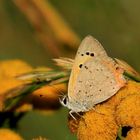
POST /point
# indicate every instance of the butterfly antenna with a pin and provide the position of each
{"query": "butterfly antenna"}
(62, 94)
(60, 91)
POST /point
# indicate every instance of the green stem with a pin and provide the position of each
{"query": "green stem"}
(51, 79)
(131, 77)
(119, 136)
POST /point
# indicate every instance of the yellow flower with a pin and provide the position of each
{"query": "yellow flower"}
(12, 68)
(9, 83)
(130, 88)
(98, 124)
(133, 134)
(47, 97)
(7, 134)
(8, 70)
(103, 122)
(128, 111)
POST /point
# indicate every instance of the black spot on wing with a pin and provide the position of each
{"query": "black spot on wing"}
(86, 67)
(80, 66)
(117, 68)
(87, 53)
(92, 54)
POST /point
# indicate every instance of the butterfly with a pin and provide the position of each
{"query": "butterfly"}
(94, 78)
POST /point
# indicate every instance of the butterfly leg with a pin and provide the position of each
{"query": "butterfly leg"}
(72, 114)
(78, 115)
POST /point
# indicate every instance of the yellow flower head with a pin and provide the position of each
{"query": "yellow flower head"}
(12, 68)
(7, 134)
(128, 111)
(133, 134)
(9, 69)
(47, 97)
(103, 122)
(98, 124)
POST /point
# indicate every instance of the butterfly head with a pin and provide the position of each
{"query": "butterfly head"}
(74, 106)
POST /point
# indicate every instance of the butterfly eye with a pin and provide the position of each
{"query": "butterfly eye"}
(64, 101)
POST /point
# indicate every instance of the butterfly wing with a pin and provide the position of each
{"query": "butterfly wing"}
(97, 81)
(95, 77)
(90, 48)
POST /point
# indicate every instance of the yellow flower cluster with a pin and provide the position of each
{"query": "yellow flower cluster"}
(103, 122)
(42, 99)
(133, 134)
(8, 70)
(7, 134)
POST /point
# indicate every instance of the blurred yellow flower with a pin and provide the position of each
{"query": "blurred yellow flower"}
(7, 134)
(45, 98)
(8, 70)
(12, 68)
(9, 83)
